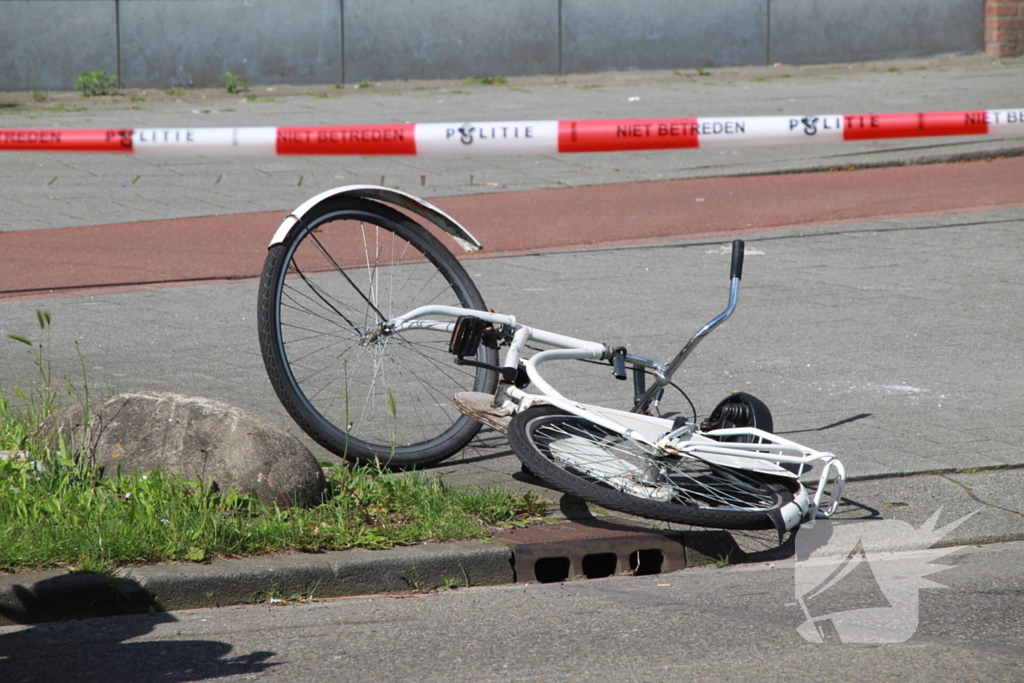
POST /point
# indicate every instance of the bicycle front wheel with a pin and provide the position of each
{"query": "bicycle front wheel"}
(576, 456)
(358, 390)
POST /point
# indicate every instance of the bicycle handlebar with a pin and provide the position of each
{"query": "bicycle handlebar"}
(737, 259)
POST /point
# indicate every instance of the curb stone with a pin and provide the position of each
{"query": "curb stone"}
(53, 595)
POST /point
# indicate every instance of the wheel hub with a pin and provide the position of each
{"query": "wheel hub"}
(375, 335)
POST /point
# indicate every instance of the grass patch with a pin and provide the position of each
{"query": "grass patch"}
(488, 80)
(56, 511)
(69, 109)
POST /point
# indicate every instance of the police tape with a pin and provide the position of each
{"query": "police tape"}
(473, 138)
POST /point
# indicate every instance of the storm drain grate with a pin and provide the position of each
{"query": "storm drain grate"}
(549, 553)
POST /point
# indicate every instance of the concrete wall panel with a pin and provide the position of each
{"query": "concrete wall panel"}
(47, 45)
(603, 35)
(822, 31)
(162, 43)
(390, 39)
(191, 42)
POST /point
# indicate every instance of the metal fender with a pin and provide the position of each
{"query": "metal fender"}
(385, 195)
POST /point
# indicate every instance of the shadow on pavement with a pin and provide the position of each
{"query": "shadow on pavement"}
(93, 649)
(848, 420)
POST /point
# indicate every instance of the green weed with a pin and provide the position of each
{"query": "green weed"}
(723, 560)
(234, 83)
(95, 83)
(488, 80)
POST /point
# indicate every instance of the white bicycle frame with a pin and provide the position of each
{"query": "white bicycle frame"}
(658, 433)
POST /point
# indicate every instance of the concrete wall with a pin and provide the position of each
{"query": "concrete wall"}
(821, 31)
(162, 43)
(193, 42)
(392, 39)
(47, 45)
(606, 35)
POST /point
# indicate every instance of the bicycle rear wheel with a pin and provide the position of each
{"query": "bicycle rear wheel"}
(359, 391)
(574, 455)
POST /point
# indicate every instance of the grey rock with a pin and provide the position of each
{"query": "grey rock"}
(23, 456)
(191, 438)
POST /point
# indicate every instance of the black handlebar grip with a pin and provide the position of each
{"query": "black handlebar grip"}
(737, 259)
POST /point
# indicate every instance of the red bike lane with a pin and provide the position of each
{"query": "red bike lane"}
(64, 262)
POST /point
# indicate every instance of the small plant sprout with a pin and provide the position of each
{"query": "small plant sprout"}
(393, 413)
(95, 83)
(234, 83)
(37, 94)
(723, 559)
(42, 363)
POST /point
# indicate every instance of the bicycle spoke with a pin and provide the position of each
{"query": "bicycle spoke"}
(342, 272)
(615, 461)
(356, 388)
(322, 301)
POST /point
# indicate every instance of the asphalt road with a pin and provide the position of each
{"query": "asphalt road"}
(737, 624)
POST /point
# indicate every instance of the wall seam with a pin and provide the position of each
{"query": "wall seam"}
(117, 42)
(560, 67)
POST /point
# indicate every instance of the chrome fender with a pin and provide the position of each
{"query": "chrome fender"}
(384, 195)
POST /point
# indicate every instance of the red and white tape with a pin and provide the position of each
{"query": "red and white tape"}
(515, 137)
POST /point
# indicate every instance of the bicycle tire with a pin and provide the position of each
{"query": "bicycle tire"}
(346, 266)
(576, 456)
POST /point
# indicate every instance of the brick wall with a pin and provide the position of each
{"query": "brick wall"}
(1004, 27)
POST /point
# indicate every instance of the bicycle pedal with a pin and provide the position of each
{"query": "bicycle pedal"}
(479, 406)
(466, 336)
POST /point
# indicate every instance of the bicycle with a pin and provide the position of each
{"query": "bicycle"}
(362, 312)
